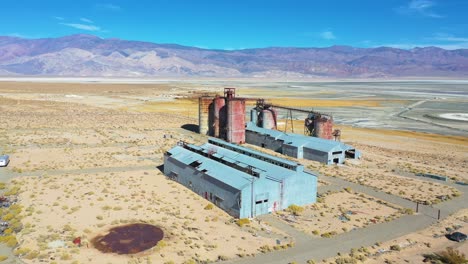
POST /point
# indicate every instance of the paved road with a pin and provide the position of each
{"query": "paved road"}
(402, 115)
(321, 248)
(308, 247)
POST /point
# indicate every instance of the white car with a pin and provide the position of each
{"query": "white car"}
(4, 160)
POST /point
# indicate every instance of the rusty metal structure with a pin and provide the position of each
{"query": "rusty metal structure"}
(235, 128)
(204, 104)
(223, 116)
(319, 125)
(316, 124)
(336, 135)
(219, 110)
(268, 118)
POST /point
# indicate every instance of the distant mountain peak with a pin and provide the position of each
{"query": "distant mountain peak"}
(88, 36)
(89, 55)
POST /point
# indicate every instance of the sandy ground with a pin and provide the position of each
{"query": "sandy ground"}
(340, 212)
(88, 155)
(85, 205)
(427, 241)
(81, 155)
(411, 248)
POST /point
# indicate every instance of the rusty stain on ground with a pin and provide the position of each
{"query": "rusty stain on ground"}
(129, 239)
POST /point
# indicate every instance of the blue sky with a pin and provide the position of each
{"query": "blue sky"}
(237, 24)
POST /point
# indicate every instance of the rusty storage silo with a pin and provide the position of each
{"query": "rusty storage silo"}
(269, 118)
(235, 120)
(219, 114)
(204, 103)
(323, 127)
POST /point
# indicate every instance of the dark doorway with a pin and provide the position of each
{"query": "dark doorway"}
(350, 154)
(336, 161)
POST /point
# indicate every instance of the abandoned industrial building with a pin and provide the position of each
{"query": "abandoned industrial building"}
(224, 117)
(299, 146)
(241, 181)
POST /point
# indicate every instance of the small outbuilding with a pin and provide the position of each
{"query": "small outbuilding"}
(239, 180)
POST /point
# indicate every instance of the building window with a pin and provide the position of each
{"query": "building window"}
(195, 164)
(217, 200)
(173, 175)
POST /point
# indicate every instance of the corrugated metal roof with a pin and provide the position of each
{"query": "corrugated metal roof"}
(297, 140)
(219, 171)
(248, 150)
(267, 169)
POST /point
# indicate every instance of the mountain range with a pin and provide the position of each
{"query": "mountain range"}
(88, 55)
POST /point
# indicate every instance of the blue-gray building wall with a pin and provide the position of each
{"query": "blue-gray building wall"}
(263, 141)
(317, 155)
(266, 193)
(300, 190)
(291, 151)
(274, 188)
(340, 156)
(204, 185)
(299, 146)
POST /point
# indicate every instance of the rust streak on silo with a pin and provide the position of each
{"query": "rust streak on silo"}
(219, 116)
(204, 103)
(323, 127)
(236, 120)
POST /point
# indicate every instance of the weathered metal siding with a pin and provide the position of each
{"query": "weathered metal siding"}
(204, 103)
(266, 196)
(204, 185)
(264, 141)
(268, 119)
(235, 121)
(313, 154)
(299, 190)
(240, 193)
(252, 203)
(280, 194)
(323, 127)
(219, 109)
(292, 151)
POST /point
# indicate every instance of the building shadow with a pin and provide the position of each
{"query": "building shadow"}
(191, 127)
(160, 168)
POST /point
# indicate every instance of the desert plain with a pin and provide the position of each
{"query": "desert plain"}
(86, 156)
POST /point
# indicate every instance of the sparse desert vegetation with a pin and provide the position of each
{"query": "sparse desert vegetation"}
(338, 212)
(84, 159)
